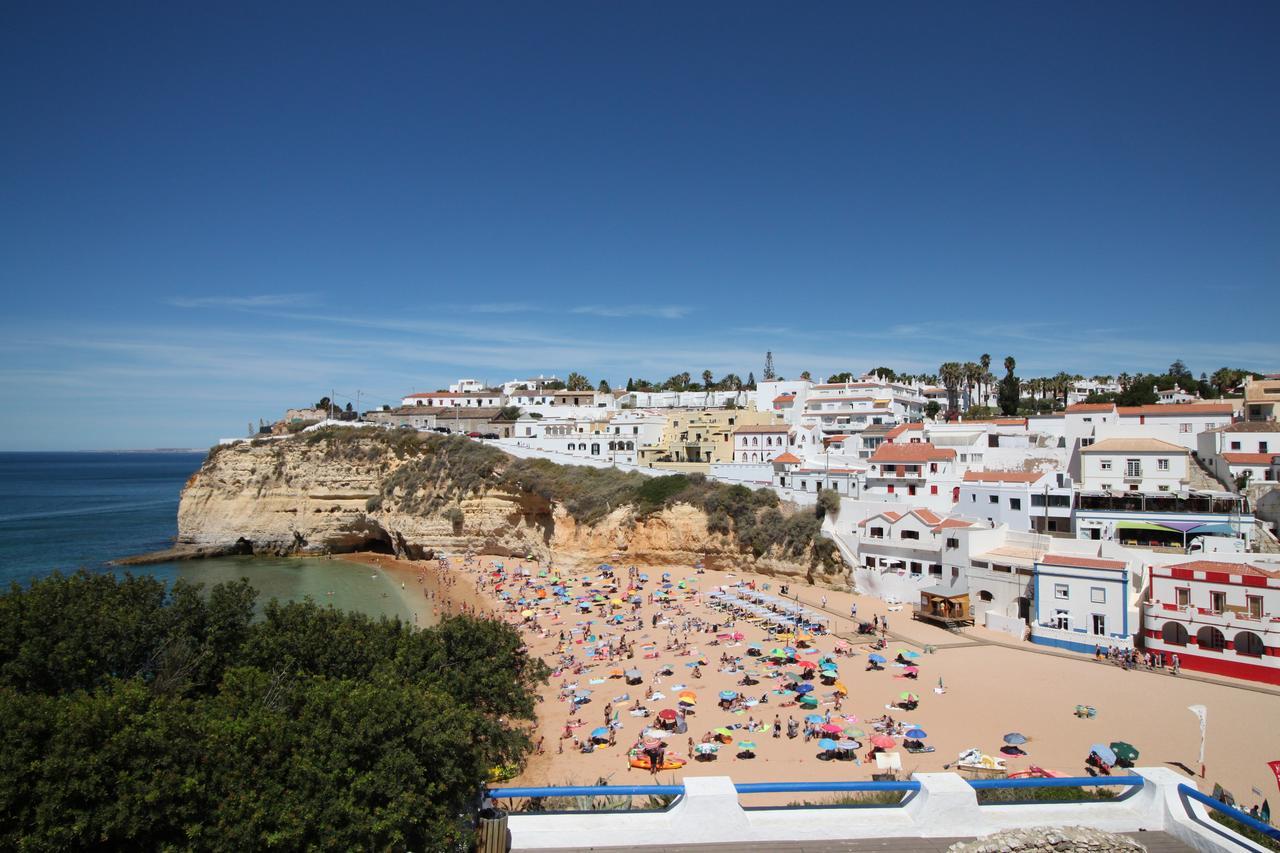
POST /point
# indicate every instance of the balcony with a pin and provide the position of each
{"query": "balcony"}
(1163, 611)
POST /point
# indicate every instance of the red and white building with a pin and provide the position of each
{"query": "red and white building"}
(1217, 617)
(917, 473)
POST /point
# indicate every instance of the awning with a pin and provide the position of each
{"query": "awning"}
(1145, 525)
(1215, 530)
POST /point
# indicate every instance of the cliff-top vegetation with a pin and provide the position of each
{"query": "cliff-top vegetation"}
(433, 471)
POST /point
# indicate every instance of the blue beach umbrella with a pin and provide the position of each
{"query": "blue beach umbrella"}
(827, 744)
(600, 734)
(728, 694)
(804, 688)
(1015, 738)
(876, 658)
(1104, 752)
(815, 718)
(917, 734)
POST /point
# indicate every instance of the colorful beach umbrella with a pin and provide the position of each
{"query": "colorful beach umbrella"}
(830, 728)
(1104, 752)
(601, 733)
(847, 745)
(883, 741)
(1015, 738)
(728, 695)
(908, 696)
(722, 731)
(706, 748)
(747, 745)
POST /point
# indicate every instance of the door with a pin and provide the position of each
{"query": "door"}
(1099, 624)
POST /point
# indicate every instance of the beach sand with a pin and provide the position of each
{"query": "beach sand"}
(993, 686)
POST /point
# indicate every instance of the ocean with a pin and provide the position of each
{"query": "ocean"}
(66, 511)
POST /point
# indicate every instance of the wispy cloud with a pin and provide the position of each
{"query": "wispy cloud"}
(261, 300)
(664, 312)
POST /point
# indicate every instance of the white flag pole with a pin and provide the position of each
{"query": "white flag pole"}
(1201, 714)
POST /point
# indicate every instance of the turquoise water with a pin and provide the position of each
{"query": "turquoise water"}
(80, 510)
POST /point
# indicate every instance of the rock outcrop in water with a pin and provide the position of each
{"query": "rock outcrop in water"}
(414, 495)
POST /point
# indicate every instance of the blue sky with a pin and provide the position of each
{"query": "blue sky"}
(210, 213)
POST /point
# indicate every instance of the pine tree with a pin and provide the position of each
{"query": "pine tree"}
(768, 366)
(751, 381)
(631, 385)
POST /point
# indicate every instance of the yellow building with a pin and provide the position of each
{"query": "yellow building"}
(693, 439)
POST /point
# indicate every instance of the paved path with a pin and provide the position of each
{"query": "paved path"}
(1155, 842)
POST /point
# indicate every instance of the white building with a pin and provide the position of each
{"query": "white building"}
(465, 386)
(1082, 602)
(1025, 501)
(1247, 449)
(760, 442)
(455, 399)
(1134, 464)
(915, 472)
(902, 550)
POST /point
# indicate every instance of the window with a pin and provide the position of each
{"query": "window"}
(996, 567)
(1099, 624)
(1217, 601)
(891, 488)
(1133, 467)
(1060, 591)
(1174, 633)
(953, 542)
(911, 534)
(1162, 464)
(1235, 445)
(1254, 604)
(1184, 596)
(935, 570)
(1098, 594)
(1105, 465)
(1262, 447)
(1249, 643)
(1184, 427)
(1061, 620)
(1015, 503)
(877, 533)
(973, 498)
(995, 499)
(984, 595)
(916, 568)
(911, 490)
(1086, 442)
(933, 490)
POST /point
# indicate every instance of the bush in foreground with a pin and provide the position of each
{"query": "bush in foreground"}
(139, 719)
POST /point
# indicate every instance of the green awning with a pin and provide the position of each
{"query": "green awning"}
(1144, 525)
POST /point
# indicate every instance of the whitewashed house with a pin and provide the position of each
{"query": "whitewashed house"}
(1082, 602)
(1248, 448)
(1134, 464)
(760, 442)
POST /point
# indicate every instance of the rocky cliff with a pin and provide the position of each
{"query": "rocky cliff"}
(415, 495)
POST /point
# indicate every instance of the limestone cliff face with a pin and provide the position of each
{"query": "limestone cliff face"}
(294, 497)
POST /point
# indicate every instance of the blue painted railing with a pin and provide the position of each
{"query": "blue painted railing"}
(1233, 813)
(804, 787)
(1060, 782)
(587, 791)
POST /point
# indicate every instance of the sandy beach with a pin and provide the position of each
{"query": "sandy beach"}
(990, 685)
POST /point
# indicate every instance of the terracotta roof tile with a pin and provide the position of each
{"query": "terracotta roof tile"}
(1133, 445)
(921, 452)
(1078, 408)
(1226, 568)
(1080, 562)
(1002, 476)
(762, 428)
(787, 458)
(1178, 409)
(1249, 458)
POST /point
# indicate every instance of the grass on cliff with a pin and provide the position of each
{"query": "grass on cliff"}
(438, 470)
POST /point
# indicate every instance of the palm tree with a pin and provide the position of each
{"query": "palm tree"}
(971, 373)
(985, 361)
(952, 374)
(1124, 379)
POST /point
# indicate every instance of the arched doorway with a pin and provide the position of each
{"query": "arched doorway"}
(1249, 643)
(1210, 639)
(1174, 633)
